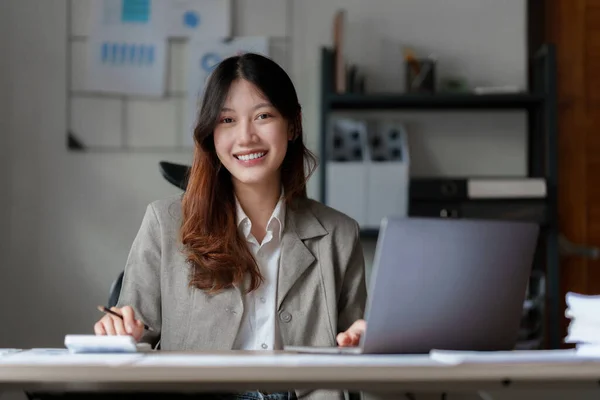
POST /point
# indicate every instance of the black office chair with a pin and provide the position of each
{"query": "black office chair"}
(115, 291)
(177, 175)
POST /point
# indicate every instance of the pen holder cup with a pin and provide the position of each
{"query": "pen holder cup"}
(420, 76)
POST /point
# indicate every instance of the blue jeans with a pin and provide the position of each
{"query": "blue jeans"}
(162, 396)
(252, 396)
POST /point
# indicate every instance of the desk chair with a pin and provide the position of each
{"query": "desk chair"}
(115, 291)
(175, 174)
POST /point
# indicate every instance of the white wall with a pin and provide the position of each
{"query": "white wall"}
(73, 216)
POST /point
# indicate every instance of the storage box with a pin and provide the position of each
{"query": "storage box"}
(346, 175)
(375, 186)
(388, 173)
(346, 188)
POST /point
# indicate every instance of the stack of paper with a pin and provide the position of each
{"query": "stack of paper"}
(502, 357)
(584, 328)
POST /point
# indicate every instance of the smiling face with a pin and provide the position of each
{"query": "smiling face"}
(251, 136)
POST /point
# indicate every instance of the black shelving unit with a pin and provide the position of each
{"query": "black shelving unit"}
(539, 103)
(352, 101)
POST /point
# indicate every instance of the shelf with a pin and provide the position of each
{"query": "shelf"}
(540, 104)
(373, 233)
(527, 210)
(389, 101)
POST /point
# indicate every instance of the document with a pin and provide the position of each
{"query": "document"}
(499, 357)
(588, 350)
(4, 352)
(63, 357)
(126, 49)
(135, 64)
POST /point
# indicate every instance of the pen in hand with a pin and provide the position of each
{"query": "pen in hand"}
(111, 312)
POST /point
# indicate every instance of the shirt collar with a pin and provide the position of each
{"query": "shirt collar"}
(243, 221)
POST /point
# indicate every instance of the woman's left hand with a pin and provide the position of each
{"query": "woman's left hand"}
(351, 338)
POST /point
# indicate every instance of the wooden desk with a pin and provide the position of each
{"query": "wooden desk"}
(169, 372)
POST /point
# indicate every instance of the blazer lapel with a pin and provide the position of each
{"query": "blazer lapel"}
(301, 225)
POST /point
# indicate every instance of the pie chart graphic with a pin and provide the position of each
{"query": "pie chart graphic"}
(191, 19)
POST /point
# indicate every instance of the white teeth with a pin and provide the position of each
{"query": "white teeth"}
(248, 157)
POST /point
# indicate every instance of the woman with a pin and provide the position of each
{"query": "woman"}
(244, 260)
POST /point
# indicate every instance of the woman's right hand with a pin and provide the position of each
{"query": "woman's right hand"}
(113, 325)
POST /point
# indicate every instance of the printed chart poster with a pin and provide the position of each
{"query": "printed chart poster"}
(195, 18)
(203, 58)
(134, 65)
(126, 50)
(174, 18)
(126, 16)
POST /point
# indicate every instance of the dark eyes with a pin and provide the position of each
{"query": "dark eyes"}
(228, 120)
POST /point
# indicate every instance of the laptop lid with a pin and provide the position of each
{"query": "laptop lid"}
(454, 284)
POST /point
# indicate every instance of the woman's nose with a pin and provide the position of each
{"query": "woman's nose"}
(247, 133)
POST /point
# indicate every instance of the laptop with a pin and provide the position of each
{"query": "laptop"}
(447, 284)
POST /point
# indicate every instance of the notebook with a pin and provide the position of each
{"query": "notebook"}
(104, 344)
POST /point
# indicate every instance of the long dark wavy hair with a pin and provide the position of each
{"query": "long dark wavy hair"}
(218, 255)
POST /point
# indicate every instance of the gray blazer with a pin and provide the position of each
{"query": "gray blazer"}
(321, 289)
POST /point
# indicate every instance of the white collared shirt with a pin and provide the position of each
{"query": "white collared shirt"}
(259, 329)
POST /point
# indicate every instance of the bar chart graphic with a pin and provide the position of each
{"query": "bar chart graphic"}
(129, 66)
(126, 51)
(133, 54)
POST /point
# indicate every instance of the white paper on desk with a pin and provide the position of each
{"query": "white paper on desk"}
(295, 360)
(579, 333)
(580, 306)
(5, 352)
(499, 357)
(588, 350)
(49, 357)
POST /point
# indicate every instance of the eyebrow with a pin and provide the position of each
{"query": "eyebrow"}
(256, 107)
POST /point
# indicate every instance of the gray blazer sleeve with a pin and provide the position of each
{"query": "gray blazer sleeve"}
(353, 294)
(141, 281)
